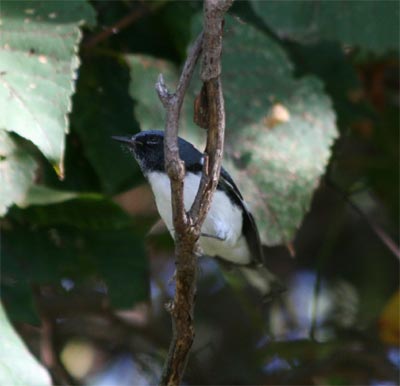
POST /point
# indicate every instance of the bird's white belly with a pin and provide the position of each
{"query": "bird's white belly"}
(223, 221)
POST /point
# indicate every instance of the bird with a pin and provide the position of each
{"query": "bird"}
(229, 232)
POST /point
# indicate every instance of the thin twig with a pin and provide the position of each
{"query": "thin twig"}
(387, 241)
(173, 164)
(121, 24)
(214, 11)
(185, 239)
(214, 148)
(48, 352)
(187, 226)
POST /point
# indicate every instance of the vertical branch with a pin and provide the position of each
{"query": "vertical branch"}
(182, 307)
(187, 226)
(214, 11)
(173, 164)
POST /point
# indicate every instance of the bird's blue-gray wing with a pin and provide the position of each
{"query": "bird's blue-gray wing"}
(250, 230)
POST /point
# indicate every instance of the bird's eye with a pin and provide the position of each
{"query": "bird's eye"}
(152, 142)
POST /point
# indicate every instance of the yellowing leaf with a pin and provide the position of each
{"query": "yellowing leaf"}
(389, 323)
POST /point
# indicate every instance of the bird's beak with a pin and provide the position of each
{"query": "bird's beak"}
(127, 140)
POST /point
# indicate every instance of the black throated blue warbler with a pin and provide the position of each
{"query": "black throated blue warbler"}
(229, 231)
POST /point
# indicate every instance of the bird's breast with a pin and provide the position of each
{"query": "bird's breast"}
(222, 227)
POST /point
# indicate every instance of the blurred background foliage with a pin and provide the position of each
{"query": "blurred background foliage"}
(312, 105)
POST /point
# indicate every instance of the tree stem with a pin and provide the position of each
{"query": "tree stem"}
(187, 225)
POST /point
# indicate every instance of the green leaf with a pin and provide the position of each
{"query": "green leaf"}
(279, 130)
(17, 297)
(276, 161)
(38, 62)
(17, 169)
(80, 175)
(82, 211)
(43, 195)
(328, 61)
(17, 365)
(163, 32)
(148, 109)
(373, 24)
(102, 108)
(144, 73)
(89, 241)
(122, 262)
(175, 17)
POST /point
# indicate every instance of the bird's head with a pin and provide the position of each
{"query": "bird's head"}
(148, 149)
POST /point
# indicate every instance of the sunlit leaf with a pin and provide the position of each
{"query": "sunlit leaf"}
(43, 195)
(17, 170)
(279, 129)
(38, 62)
(148, 109)
(18, 367)
(328, 61)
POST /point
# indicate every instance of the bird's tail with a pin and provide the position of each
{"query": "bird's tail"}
(262, 280)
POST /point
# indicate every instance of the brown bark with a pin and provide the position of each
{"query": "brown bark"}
(187, 225)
